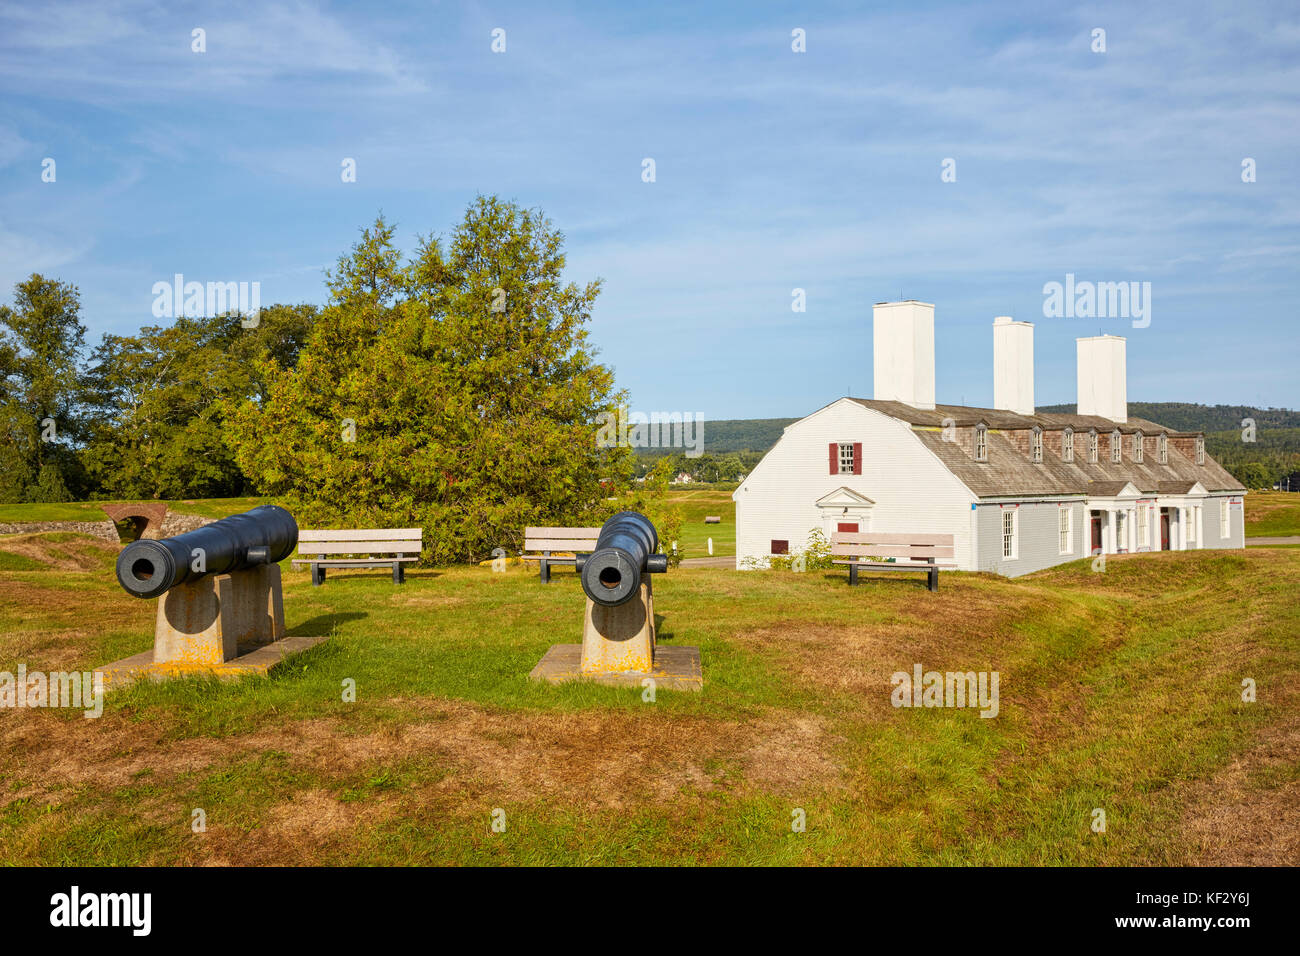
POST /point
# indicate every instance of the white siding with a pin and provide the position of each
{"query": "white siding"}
(912, 490)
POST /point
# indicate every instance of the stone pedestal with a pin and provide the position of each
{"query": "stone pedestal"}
(620, 638)
(619, 647)
(223, 624)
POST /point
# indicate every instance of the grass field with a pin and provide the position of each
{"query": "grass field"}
(1272, 514)
(696, 505)
(1119, 691)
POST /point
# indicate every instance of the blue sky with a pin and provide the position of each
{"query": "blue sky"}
(775, 170)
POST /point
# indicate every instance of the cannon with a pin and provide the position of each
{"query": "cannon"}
(619, 640)
(264, 535)
(625, 550)
(220, 599)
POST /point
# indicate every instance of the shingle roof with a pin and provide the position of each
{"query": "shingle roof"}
(1009, 471)
(964, 415)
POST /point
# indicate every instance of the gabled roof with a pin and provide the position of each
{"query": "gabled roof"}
(1009, 471)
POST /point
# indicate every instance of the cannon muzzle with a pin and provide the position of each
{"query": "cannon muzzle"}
(263, 535)
(625, 550)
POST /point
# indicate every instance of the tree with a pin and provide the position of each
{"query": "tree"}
(456, 392)
(40, 356)
(161, 399)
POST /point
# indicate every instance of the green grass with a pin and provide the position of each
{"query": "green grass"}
(1118, 690)
(1272, 514)
(92, 510)
(696, 504)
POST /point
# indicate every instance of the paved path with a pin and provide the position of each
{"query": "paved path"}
(714, 562)
(1294, 539)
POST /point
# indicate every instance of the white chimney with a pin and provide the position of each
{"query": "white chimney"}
(1013, 365)
(1103, 383)
(903, 352)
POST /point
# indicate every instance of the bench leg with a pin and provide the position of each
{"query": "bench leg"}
(545, 565)
(317, 575)
(853, 575)
(933, 583)
(399, 573)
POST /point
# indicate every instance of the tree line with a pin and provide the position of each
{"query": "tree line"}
(455, 390)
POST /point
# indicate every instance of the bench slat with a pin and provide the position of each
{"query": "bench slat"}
(358, 547)
(354, 562)
(362, 534)
(892, 551)
(592, 533)
(881, 537)
(896, 564)
(573, 544)
(549, 558)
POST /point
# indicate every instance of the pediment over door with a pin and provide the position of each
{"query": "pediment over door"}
(844, 498)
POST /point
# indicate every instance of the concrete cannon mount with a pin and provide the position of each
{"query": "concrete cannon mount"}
(224, 625)
(619, 647)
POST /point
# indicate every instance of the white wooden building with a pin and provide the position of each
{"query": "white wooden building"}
(1019, 490)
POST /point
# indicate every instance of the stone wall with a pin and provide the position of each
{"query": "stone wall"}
(173, 524)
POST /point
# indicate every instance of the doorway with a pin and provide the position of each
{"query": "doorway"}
(1096, 532)
(1164, 529)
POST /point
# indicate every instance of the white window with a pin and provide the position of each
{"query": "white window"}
(1200, 450)
(1116, 447)
(1121, 531)
(981, 443)
(1009, 543)
(1066, 523)
(1225, 518)
(846, 458)
(1137, 448)
(1162, 449)
(1036, 444)
(1092, 446)
(1193, 522)
(1067, 445)
(1144, 523)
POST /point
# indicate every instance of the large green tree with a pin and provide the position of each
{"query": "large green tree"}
(159, 400)
(41, 342)
(456, 391)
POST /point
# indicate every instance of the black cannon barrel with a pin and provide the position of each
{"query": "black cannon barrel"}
(264, 535)
(625, 550)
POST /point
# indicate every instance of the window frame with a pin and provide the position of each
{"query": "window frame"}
(1036, 445)
(1200, 449)
(1010, 534)
(1094, 446)
(1138, 439)
(981, 449)
(1162, 448)
(1116, 447)
(1067, 445)
(1225, 518)
(1065, 530)
(841, 457)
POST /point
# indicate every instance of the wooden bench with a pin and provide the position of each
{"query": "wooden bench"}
(368, 547)
(550, 540)
(912, 552)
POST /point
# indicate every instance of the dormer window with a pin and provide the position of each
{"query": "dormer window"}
(981, 443)
(1137, 448)
(1162, 449)
(1093, 442)
(1036, 444)
(1067, 445)
(1200, 449)
(1116, 447)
